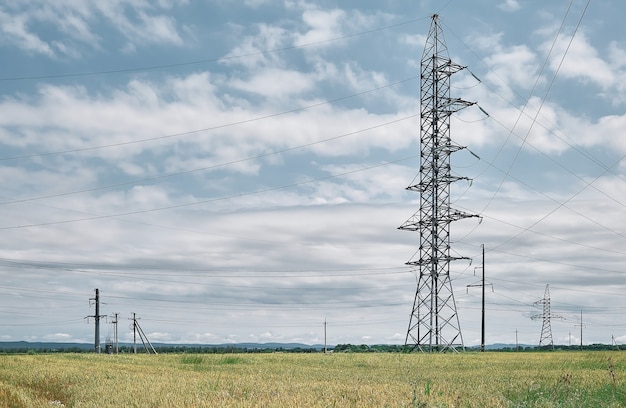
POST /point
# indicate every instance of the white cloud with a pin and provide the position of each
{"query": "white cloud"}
(276, 83)
(60, 337)
(510, 5)
(251, 50)
(15, 31)
(512, 68)
(323, 25)
(76, 22)
(581, 61)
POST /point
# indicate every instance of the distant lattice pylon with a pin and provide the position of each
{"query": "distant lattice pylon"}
(546, 340)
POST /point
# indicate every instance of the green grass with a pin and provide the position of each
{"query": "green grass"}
(546, 379)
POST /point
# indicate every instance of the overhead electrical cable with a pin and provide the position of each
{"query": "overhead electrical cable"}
(607, 167)
(210, 200)
(42, 323)
(226, 272)
(563, 204)
(564, 138)
(522, 111)
(209, 60)
(543, 99)
(507, 174)
(215, 166)
(543, 260)
(216, 127)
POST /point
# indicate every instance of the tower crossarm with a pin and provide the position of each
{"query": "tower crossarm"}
(417, 222)
(445, 66)
(427, 185)
(430, 261)
(452, 105)
(456, 215)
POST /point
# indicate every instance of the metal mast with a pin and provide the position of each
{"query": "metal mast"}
(97, 318)
(546, 340)
(434, 323)
(546, 328)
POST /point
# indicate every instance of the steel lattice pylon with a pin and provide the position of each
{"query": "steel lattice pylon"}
(434, 323)
(546, 340)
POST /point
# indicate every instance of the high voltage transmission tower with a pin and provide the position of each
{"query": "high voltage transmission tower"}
(434, 323)
(546, 316)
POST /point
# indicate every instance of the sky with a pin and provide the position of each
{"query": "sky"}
(236, 171)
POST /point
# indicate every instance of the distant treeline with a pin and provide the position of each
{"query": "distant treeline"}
(394, 348)
(160, 350)
(590, 347)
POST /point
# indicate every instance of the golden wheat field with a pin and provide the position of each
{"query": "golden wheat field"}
(537, 379)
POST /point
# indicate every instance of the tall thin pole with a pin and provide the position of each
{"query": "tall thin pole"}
(516, 343)
(97, 319)
(482, 338)
(96, 316)
(325, 324)
(115, 336)
(134, 334)
(482, 320)
(581, 329)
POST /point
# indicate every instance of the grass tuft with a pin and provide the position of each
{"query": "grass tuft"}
(191, 359)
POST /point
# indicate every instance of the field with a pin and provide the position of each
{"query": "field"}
(537, 379)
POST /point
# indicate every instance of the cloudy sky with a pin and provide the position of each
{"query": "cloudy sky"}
(236, 171)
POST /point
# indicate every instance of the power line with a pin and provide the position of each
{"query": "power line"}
(534, 120)
(162, 176)
(173, 206)
(226, 272)
(231, 124)
(522, 111)
(208, 60)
